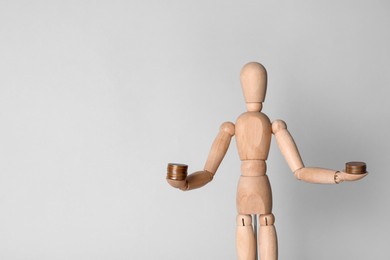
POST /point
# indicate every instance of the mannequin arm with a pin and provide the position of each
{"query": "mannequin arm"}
(309, 174)
(214, 159)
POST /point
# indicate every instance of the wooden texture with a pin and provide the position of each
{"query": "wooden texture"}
(178, 184)
(316, 175)
(198, 179)
(253, 168)
(254, 106)
(325, 176)
(344, 176)
(253, 136)
(268, 243)
(219, 147)
(245, 238)
(287, 145)
(253, 78)
(254, 195)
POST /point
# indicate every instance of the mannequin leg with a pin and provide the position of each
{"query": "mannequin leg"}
(268, 242)
(245, 238)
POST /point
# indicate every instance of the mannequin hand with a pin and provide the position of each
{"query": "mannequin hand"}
(179, 184)
(344, 176)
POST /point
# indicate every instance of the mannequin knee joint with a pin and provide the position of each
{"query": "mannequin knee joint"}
(267, 219)
(244, 220)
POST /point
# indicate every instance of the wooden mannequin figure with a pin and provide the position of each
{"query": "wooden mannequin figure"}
(253, 131)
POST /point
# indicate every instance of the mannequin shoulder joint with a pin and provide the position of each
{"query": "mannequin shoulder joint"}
(278, 125)
(228, 127)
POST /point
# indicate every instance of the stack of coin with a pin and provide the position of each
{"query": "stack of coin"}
(355, 167)
(177, 171)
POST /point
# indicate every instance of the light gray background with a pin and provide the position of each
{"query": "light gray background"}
(96, 97)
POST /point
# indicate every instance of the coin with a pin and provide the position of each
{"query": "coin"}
(177, 171)
(356, 167)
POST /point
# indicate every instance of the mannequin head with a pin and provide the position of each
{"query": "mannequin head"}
(254, 85)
